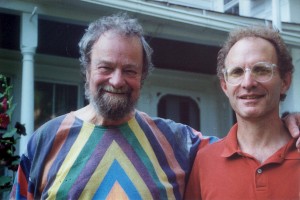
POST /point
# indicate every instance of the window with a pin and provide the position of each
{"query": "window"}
(231, 7)
(227, 1)
(180, 109)
(51, 100)
(10, 31)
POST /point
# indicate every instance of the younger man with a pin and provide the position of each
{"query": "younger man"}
(258, 158)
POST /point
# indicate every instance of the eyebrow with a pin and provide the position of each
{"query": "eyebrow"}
(100, 62)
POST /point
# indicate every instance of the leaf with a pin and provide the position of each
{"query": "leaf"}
(11, 110)
(9, 89)
(10, 133)
(16, 162)
(4, 180)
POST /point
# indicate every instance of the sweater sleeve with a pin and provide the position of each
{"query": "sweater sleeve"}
(23, 188)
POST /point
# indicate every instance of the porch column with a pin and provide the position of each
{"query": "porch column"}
(29, 32)
(276, 16)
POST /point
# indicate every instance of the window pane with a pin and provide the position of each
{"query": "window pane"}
(235, 10)
(52, 100)
(42, 103)
(180, 109)
(65, 98)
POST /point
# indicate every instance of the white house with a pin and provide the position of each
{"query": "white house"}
(38, 51)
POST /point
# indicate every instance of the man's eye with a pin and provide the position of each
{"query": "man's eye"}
(261, 70)
(104, 68)
(237, 71)
(130, 72)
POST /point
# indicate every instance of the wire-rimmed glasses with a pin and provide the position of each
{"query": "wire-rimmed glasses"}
(261, 72)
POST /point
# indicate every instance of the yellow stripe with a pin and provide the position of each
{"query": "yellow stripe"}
(168, 150)
(114, 152)
(152, 157)
(75, 150)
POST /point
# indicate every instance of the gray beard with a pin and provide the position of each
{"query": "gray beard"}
(112, 108)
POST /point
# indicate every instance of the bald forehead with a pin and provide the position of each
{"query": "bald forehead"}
(252, 48)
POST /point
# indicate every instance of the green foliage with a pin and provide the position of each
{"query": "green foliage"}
(9, 135)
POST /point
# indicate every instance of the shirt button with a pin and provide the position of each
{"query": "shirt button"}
(259, 171)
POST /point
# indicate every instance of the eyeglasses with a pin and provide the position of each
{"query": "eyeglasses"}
(261, 72)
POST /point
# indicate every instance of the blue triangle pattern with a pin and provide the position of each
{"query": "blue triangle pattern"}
(116, 174)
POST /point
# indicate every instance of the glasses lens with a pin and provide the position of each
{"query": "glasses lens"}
(262, 72)
(234, 75)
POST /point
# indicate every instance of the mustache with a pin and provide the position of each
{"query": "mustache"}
(109, 88)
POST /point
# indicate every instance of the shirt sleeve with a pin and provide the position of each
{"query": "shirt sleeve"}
(193, 189)
(20, 186)
(23, 188)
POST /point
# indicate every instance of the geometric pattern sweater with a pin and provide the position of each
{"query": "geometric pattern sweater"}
(145, 158)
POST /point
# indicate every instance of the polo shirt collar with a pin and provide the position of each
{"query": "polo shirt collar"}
(231, 146)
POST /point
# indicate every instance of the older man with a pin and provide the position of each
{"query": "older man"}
(109, 150)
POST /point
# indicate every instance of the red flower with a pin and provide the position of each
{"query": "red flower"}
(4, 120)
(4, 104)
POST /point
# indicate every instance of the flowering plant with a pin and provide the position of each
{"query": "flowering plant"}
(9, 135)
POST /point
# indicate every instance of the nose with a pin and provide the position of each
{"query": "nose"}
(117, 80)
(248, 79)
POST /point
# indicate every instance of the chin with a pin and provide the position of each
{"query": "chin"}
(249, 113)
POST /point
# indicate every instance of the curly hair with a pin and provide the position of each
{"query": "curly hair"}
(285, 64)
(122, 24)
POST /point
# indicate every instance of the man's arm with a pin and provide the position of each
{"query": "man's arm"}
(292, 122)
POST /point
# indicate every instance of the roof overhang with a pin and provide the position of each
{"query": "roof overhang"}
(200, 25)
(158, 19)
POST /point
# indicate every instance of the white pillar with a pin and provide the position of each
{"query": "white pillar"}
(276, 17)
(29, 31)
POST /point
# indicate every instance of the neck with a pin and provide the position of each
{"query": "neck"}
(262, 138)
(88, 114)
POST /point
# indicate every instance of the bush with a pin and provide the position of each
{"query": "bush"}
(9, 135)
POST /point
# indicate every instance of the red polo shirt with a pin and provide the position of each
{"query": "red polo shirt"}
(222, 171)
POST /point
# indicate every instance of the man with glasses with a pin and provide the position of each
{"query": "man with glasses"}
(258, 158)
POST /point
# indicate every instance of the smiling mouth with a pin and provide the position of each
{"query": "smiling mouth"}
(115, 93)
(251, 97)
(111, 90)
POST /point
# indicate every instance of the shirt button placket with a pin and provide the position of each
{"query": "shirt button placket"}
(261, 181)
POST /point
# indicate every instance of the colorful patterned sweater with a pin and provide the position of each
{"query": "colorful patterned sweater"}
(145, 158)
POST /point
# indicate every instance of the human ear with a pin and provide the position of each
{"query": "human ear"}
(286, 82)
(223, 86)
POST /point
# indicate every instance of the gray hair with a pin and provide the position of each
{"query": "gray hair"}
(122, 24)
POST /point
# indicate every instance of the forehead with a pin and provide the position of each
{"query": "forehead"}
(111, 39)
(250, 50)
(115, 47)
